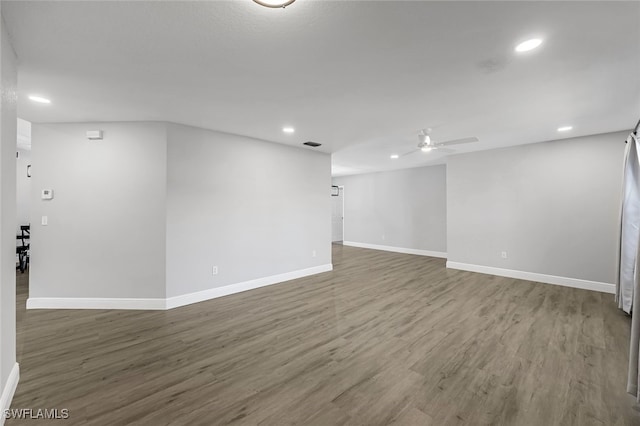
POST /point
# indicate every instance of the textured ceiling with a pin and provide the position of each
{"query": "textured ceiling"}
(359, 77)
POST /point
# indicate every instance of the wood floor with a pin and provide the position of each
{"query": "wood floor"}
(385, 338)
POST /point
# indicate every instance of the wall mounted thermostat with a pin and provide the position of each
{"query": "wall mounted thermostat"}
(47, 194)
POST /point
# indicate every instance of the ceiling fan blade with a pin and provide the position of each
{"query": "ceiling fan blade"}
(458, 141)
(446, 150)
(408, 153)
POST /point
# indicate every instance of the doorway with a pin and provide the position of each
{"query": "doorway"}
(337, 214)
(23, 215)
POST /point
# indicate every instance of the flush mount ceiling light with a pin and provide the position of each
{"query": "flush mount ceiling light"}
(525, 46)
(394, 156)
(39, 99)
(274, 3)
(288, 129)
(565, 128)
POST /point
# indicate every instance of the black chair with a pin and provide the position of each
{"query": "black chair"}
(22, 248)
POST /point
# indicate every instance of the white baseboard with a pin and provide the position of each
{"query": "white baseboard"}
(212, 293)
(94, 303)
(397, 249)
(532, 276)
(9, 390)
(171, 302)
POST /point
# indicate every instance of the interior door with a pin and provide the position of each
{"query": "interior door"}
(337, 215)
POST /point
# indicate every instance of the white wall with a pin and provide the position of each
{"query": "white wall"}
(147, 212)
(105, 236)
(23, 189)
(8, 137)
(254, 209)
(403, 208)
(553, 207)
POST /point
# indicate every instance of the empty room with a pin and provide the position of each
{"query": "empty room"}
(310, 212)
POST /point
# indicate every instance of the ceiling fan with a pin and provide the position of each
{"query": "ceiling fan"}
(426, 144)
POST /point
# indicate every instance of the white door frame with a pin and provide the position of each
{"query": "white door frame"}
(341, 188)
(340, 194)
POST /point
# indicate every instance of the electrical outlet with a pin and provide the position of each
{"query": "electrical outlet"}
(504, 254)
(313, 253)
(45, 220)
(383, 237)
(215, 270)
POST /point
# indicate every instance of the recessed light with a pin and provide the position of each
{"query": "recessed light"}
(274, 3)
(565, 128)
(394, 156)
(39, 99)
(288, 129)
(525, 46)
(426, 149)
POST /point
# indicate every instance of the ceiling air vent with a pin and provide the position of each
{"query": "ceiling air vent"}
(312, 144)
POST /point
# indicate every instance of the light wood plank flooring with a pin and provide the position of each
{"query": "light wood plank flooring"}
(385, 338)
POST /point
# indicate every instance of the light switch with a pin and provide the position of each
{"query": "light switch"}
(45, 220)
